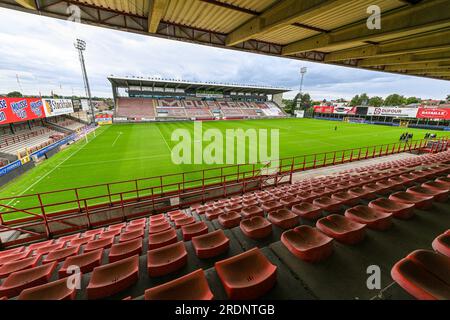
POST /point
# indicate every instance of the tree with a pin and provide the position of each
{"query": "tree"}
(15, 94)
(448, 97)
(359, 100)
(412, 100)
(376, 101)
(394, 100)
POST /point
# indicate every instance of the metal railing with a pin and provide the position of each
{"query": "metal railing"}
(43, 209)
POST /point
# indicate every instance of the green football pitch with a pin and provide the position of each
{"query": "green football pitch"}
(125, 152)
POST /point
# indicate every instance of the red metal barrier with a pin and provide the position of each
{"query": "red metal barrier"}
(44, 209)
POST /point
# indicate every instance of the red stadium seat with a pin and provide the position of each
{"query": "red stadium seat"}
(184, 222)
(61, 254)
(442, 244)
(256, 227)
(424, 274)
(290, 201)
(86, 262)
(11, 251)
(162, 220)
(327, 204)
(434, 185)
(159, 228)
(162, 216)
(118, 226)
(110, 234)
(18, 265)
(376, 220)
(112, 278)
(93, 232)
(16, 282)
(131, 235)
(68, 238)
(99, 244)
(56, 290)
(249, 203)
(81, 241)
(125, 250)
(308, 243)
(345, 198)
(161, 239)
(252, 211)
(14, 256)
(233, 207)
(165, 260)
(49, 248)
(283, 218)
(342, 229)
(173, 219)
(211, 244)
(420, 202)
(230, 219)
(192, 230)
(271, 206)
(38, 245)
(213, 213)
(134, 227)
(248, 275)
(438, 195)
(141, 221)
(361, 193)
(399, 210)
(444, 180)
(192, 286)
(306, 196)
(307, 210)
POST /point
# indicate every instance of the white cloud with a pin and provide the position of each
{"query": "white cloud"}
(40, 51)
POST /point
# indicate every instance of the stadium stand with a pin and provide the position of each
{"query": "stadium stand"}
(66, 123)
(135, 108)
(187, 108)
(241, 247)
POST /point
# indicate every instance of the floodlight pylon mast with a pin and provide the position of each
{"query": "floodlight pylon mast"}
(80, 45)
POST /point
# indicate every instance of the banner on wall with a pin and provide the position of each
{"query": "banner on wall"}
(345, 110)
(20, 109)
(103, 119)
(392, 112)
(434, 113)
(324, 109)
(57, 107)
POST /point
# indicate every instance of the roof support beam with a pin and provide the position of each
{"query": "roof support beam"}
(405, 58)
(29, 4)
(156, 11)
(434, 41)
(281, 14)
(418, 66)
(423, 17)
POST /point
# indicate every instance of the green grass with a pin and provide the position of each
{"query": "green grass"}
(132, 151)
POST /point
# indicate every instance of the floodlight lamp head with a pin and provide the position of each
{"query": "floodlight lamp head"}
(303, 70)
(80, 44)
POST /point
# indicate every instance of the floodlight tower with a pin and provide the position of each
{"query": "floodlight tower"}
(80, 45)
(302, 73)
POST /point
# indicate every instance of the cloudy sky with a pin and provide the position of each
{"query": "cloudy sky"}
(40, 52)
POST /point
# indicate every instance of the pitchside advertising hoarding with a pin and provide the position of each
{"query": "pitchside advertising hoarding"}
(324, 109)
(57, 107)
(434, 113)
(24, 109)
(392, 112)
(20, 109)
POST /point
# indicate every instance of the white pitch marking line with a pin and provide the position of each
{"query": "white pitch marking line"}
(118, 136)
(170, 149)
(45, 175)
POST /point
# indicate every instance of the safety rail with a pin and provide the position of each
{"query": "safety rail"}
(51, 207)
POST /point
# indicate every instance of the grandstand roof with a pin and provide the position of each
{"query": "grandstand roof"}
(414, 38)
(182, 84)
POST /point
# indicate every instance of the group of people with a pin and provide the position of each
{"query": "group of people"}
(430, 135)
(406, 136)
